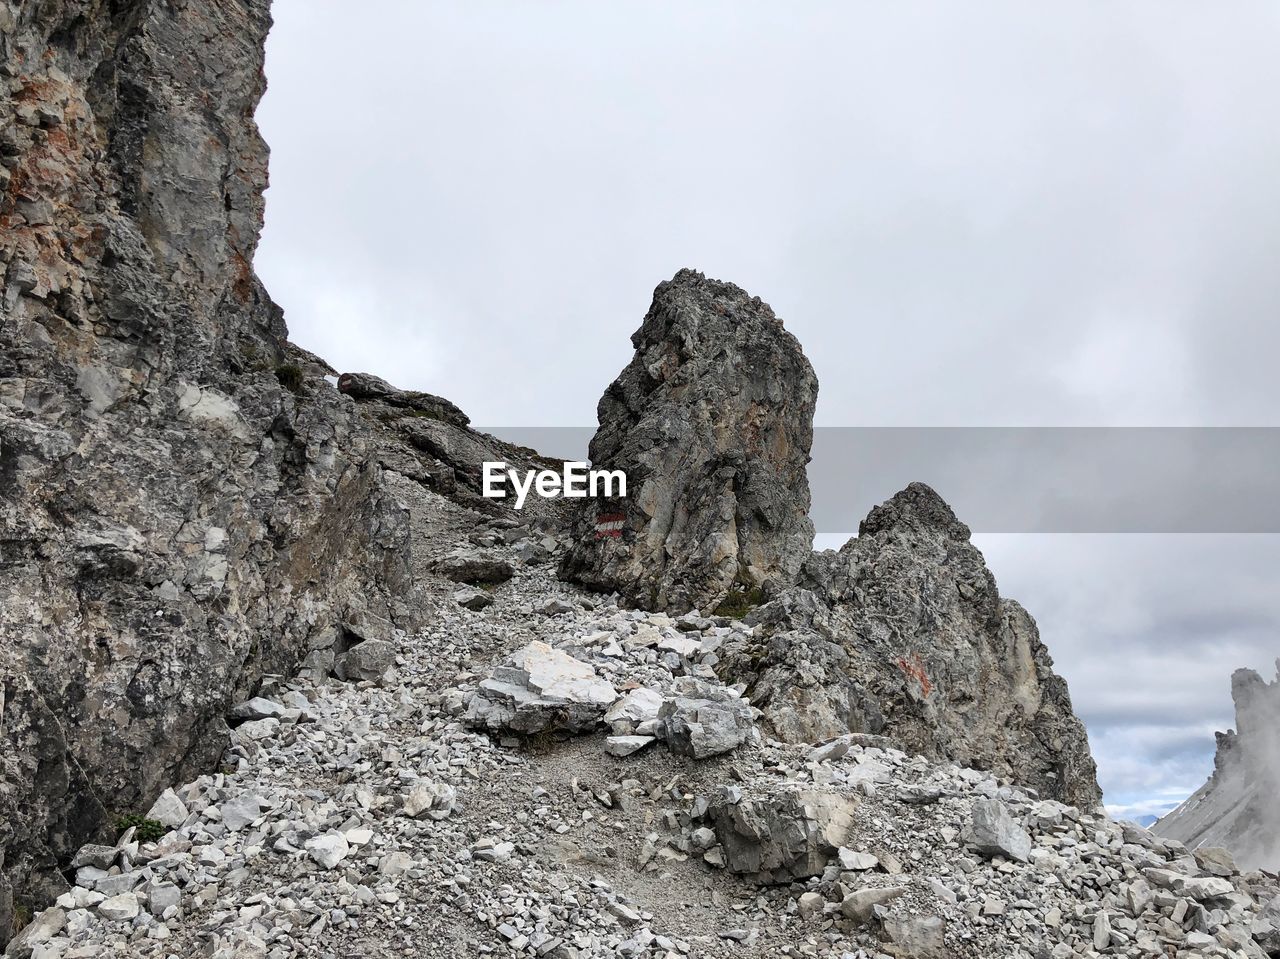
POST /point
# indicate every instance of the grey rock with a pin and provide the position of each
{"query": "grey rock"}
(366, 386)
(626, 745)
(541, 689)
(473, 566)
(860, 904)
(782, 836)
(634, 708)
(258, 708)
(39, 931)
(119, 908)
(702, 719)
(163, 897)
(101, 857)
(810, 904)
(916, 937)
(365, 662)
(241, 811)
(1215, 860)
(433, 799)
(328, 850)
(472, 599)
(903, 633)
(852, 860)
(169, 810)
(712, 422)
(995, 833)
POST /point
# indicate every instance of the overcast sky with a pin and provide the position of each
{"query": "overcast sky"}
(978, 214)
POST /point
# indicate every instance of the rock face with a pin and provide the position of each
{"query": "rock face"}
(902, 632)
(183, 499)
(712, 421)
(1237, 809)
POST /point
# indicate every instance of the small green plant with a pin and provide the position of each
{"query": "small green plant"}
(290, 377)
(740, 601)
(21, 916)
(148, 830)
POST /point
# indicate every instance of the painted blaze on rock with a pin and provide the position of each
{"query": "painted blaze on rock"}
(712, 420)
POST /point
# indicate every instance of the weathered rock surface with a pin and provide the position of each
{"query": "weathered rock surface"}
(995, 833)
(702, 719)
(1237, 808)
(366, 386)
(183, 499)
(902, 632)
(785, 835)
(541, 689)
(712, 421)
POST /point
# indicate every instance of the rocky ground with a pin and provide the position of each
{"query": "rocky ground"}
(400, 815)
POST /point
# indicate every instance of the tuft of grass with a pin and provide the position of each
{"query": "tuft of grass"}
(22, 916)
(290, 377)
(148, 830)
(740, 601)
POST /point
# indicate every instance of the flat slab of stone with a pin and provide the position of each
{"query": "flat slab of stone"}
(539, 689)
(626, 745)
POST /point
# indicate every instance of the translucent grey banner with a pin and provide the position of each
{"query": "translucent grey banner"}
(1032, 479)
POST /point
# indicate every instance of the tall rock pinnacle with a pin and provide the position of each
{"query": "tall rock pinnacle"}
(712, 420)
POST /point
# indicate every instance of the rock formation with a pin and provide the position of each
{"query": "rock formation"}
(257, 608)
(902, 632)
(185, 504)
(712, 420)
(1237, 808)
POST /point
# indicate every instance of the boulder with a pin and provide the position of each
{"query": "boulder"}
(37, 932)
(541, 689)
(365, 662)
(432, 799)
(626, 745)
(258, 708)
(711, 422)
(782, 836)
(702, 719)
(471, 598)
(241, 812)
(169, 810)
(635, 707)
(860, 904)
(119, 908)
(995, 833)
(473, 566)
(328, 849)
